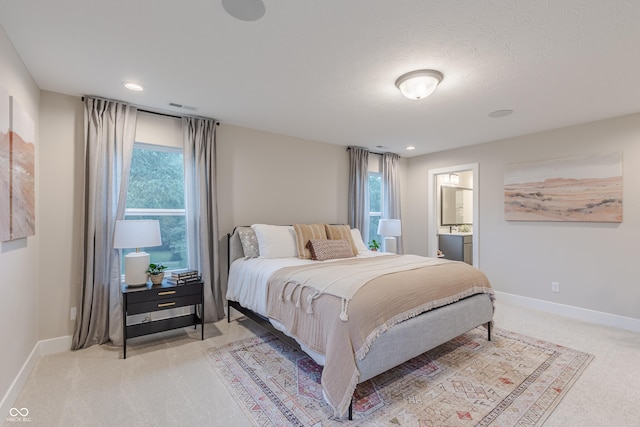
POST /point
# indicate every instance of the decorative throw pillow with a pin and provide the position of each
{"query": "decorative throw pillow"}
(322, 250)
(275, 241)
(306, 232)
(341, 232)
(249, 242)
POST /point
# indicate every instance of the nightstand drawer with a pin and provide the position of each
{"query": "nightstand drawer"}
(162, 304)
(164, 292)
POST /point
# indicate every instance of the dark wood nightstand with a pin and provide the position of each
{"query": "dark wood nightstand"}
(150, 298)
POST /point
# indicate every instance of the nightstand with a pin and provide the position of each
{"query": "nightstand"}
(152, 298)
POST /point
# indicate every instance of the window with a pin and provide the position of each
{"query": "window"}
(375, 204)
(156, 191)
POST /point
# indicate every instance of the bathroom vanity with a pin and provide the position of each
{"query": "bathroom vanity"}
(457, 246)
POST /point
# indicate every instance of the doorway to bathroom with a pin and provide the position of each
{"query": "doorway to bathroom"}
(453, 221)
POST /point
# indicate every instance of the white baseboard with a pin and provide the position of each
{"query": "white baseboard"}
(578, 313)
(42, 348)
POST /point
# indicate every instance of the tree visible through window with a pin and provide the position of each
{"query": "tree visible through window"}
(156, 191)
(375, 204)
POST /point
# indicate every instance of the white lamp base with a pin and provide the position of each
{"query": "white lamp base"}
(135, 268)
(391, 245)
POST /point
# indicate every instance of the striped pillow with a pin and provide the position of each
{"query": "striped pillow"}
(322, 250)
(341, 232)
(306, 232)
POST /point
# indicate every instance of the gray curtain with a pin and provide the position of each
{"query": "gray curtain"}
(109, 131)
(391, 191)
(359, 190)
(202, 210)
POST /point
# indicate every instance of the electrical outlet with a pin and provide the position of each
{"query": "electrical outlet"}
(72, 313)
(555, 287)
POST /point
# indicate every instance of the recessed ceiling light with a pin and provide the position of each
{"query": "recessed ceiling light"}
(500, 113)
(133, 86)
(411, 147)
(244, 10)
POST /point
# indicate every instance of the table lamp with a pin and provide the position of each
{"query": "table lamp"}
(390, 229)
(136, 234)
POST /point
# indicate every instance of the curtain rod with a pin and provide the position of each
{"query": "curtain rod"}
(142, 109)
(370, 152)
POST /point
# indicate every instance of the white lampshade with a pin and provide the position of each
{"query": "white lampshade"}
(136, 234)
(419, 84)
(390, 228)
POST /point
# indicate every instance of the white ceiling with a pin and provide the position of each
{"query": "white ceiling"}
(324, 70)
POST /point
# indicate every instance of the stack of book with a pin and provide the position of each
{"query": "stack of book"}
(182, 277)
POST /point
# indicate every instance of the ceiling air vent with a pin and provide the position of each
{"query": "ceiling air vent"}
(182, 106)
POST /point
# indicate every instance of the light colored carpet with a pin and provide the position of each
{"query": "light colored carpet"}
(166, 379)
(513, 380)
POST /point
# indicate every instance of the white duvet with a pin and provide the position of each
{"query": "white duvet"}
(248, 278)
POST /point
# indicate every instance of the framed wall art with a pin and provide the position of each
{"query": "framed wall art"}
(585, 188)
(5, 167)
(17, 177)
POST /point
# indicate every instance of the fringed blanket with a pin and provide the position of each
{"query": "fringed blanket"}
(341, 279)
(380, 304)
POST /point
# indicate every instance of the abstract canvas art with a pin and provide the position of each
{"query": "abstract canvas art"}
(585, 188)
(5, 168)
(17, 170)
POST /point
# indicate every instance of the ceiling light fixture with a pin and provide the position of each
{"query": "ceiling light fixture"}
(419, 84)
(133, 86)
(500, 113)
(244, 10)
(411, 147)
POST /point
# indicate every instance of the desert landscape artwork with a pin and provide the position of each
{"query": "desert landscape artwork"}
(586, 188)
(21, 175)
(5, 168)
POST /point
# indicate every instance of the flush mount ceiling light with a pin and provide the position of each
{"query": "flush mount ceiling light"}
(419, 84)
(133, 86)
(411, 147)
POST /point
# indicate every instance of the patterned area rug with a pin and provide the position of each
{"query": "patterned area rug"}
(513, 380)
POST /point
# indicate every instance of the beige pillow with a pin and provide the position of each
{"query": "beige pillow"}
(306, 232)
(341, 232)
(322, 250)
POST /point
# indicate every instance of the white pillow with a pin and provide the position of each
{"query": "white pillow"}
(276, 241)
(357, 239)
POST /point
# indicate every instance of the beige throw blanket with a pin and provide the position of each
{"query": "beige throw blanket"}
(342, 278)
(379, 305)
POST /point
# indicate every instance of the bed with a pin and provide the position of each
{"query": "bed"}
(357, 315)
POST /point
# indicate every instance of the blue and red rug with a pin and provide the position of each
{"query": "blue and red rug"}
(512, 380)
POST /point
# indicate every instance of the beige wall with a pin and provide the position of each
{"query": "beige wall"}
(61, 205)
(19, 258)
(593, 262)
(269, 178)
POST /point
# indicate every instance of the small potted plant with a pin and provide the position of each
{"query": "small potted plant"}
(374, 245)
(156, 272)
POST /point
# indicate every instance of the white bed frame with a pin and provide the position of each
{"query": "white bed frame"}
(405, 340)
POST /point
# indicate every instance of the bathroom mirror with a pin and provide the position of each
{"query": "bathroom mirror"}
(456, 205)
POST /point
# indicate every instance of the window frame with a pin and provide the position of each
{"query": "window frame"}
(155, 212)
(374, 214)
